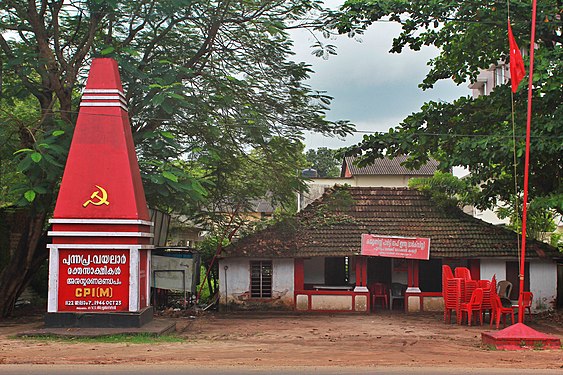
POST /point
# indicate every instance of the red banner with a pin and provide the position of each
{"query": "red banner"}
(93, 280)
(396, 247)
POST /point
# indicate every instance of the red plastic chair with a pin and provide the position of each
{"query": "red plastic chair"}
(446, 273)
(498, 311)
(527, 302)
(474, 305)
(463, 273)
(490, 288)
(379, 292)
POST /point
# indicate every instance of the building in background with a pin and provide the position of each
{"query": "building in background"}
(384, 172)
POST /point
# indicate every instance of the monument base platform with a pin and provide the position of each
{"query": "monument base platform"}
(125, 319)
(519, 336)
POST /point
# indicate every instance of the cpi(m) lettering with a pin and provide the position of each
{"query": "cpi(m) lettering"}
(94, 292)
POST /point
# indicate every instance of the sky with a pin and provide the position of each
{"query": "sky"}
(372, 88)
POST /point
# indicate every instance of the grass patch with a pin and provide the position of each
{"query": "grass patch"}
(109, 339)
(490, 347)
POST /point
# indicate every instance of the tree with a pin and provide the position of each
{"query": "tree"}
(206, 82)
(445, 189)
(475, 133)
(324, 161)
(239, 187)
(540, 220)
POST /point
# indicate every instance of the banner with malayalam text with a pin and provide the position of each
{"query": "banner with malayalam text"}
(91, 280)
(395, 247)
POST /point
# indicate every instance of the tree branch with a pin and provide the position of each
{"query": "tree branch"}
(18, 68)
(55, 9)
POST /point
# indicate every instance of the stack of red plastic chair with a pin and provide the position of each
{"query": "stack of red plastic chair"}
(489, 287)
(451, 291)
(483, 284)
(452, 300)
(486, 286)
(468, 286)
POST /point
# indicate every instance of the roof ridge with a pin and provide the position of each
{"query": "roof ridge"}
(390, 166)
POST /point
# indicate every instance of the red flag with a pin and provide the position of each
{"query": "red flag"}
(517, 71)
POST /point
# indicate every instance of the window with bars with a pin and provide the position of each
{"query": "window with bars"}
(261, 279)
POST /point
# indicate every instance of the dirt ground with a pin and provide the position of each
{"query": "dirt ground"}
(250, 339)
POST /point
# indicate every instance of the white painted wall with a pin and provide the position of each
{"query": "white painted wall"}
(365, 180)
(385, 181)
(490, 267)
(543, 280)
(283, 278)
(330, 181)
(235, 281)
(488, 216)
(543, 284)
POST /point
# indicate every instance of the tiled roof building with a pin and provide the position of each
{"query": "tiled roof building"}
(333, 224)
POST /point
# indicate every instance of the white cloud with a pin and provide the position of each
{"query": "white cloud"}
(371, 87)
(364, 63)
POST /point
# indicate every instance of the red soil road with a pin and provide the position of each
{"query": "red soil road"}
(268, 340)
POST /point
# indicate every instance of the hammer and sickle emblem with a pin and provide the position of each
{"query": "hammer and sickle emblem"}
(99, 199)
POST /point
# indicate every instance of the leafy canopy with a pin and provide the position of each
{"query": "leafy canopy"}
(325, 161)
(209, 85)
(475, 133)
(446, 190)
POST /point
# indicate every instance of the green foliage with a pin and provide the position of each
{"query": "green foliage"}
(169, 180)
(42, 166)
(9, 115)
(475, 133)
(324, 161)
(214, 99)
(339, 200)
(4, 238)
(8, 178)
(266, 176)
(539, 218)
(211, 246)
(29, 173)
(445, 189)
(471, 35)
(205, 295)
(204, 81)
(334, 209)
(208, 247)
(556, 240)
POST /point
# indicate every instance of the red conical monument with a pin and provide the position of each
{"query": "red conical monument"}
(102, 161)
(100, 255)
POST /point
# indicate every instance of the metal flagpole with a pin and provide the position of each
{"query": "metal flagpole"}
(527, 165)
